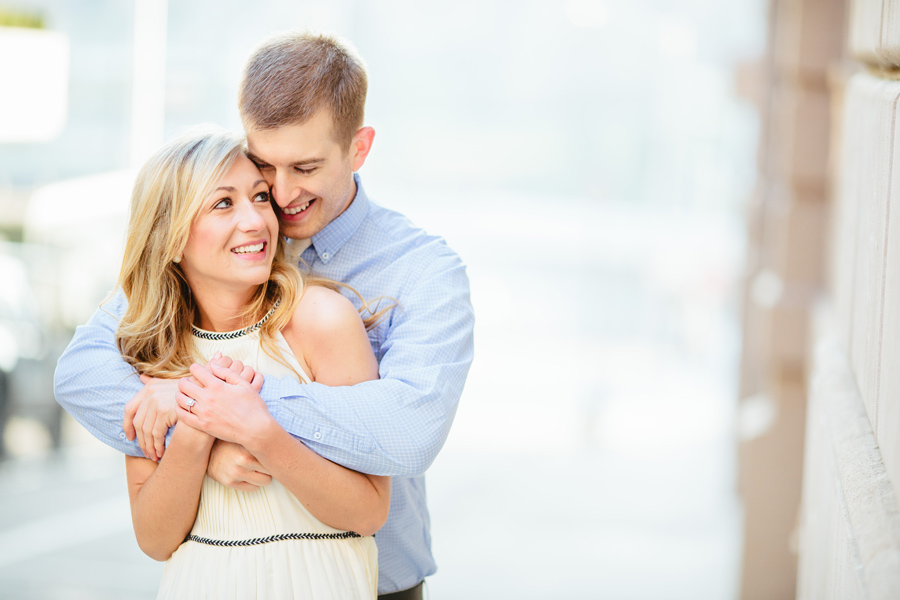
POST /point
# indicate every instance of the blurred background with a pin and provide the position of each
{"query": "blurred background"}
(590, 160)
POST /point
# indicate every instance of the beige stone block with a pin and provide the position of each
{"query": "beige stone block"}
(798, 140)
(808, 36)
(890, 33)
(874, 32)
(825, 550)
(754, 212)
(861, 216)
(794, 236)
(751, 81)
(886, 367)
(850, 522)
(770, 475)
(864, 30)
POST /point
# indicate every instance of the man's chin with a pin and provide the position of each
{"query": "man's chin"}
(294, 231)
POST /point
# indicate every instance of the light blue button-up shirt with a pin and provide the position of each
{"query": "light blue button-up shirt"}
(394, 426)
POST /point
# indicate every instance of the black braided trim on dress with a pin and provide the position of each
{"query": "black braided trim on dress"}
(274, 538)
(230, 335)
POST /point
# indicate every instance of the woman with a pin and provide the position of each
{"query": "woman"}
(204, 273)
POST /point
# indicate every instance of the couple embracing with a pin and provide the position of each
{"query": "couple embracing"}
(288, 356)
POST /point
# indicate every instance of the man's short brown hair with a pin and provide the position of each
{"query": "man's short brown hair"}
(290, 77)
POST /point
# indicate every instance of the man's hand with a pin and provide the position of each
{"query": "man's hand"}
(231, 465)
(150, 414)
(153, 410)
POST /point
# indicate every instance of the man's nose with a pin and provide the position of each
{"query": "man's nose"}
(282, 190)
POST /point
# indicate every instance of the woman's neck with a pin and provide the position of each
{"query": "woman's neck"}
(223, 310)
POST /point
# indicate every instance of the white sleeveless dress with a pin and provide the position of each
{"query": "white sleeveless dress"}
(264, 544)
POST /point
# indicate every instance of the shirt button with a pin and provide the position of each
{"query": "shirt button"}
(317, 435)
(121, 435)
(326, 256)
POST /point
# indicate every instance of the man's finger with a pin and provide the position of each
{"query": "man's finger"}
(147, 437)
(257, 382)
(227, 375)
(159, 436)
(222, 361)
(258, 479)
(207, 377)
(128, 420)
(247, 374)
(139, 418)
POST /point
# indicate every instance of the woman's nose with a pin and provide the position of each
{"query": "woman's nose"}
(251, 218)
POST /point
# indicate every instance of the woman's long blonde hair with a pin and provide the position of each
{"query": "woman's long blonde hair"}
(154, 335)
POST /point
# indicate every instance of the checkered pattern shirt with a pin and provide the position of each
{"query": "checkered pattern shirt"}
(394, 426)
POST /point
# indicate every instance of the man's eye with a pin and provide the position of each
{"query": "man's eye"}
(304, 171)
(263, 166)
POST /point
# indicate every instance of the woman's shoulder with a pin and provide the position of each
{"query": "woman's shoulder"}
(322, 311)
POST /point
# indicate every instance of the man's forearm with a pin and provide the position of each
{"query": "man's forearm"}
(385, 427)
(93, 383)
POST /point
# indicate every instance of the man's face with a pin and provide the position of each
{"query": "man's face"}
(311, 175)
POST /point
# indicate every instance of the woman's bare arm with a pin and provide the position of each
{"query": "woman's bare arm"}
(165, 496)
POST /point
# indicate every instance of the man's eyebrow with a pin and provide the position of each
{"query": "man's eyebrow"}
(296, 163)
(308, 161)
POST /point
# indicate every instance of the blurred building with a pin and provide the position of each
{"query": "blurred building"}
(820, 393)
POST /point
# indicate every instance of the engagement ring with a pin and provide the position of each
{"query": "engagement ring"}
(190, 403)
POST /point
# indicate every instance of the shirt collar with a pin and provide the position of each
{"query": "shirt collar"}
(334, 235)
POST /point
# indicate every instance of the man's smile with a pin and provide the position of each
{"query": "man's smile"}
(295, 210)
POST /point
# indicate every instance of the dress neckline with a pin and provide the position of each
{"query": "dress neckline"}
(230, 335)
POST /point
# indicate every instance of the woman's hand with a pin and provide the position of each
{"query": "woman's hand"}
(223, 404)
(153, 410)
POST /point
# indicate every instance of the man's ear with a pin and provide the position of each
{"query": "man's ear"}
(360, 146)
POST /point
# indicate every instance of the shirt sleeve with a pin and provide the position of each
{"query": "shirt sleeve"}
(396, 425)
(92, 381)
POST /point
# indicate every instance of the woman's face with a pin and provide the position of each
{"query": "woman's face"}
(232, 242)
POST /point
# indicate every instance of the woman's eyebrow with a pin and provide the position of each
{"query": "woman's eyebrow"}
(228, 188)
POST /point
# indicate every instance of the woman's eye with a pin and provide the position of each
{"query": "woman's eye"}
(223, 203)
(262, 197)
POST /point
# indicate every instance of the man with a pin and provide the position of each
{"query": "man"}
(302, 102)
